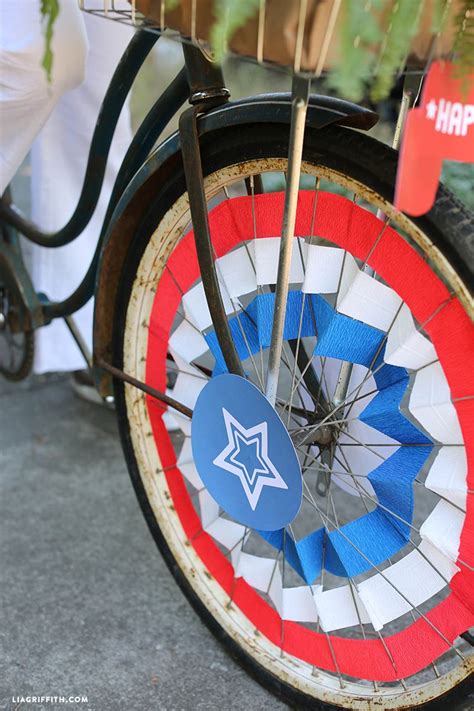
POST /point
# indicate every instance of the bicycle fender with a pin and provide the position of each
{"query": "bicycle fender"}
(267, 108)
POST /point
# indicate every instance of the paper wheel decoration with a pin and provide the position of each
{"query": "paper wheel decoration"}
(371, 585)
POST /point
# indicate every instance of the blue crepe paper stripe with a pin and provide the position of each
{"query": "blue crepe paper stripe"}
(383, 414)
(261, 312)
(393, 483)
(343, 337)
(377, 534)
(245, 346)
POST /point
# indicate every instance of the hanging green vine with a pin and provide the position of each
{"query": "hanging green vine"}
(49, 12)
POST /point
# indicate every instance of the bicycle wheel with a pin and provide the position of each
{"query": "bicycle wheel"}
(363, 598)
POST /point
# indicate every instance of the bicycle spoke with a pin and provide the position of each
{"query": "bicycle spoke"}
(402, 595)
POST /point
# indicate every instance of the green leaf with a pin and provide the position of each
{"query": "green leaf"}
(49, 12)
(359, 33)
(231, 15)
(403, 26)
(463, 49)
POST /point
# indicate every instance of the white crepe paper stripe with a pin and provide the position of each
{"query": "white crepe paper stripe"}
(296, 604)
(187, 388)
(327, 377)
(275, 591)
(330, 376)
(226, 532)
(261, 573)
(415, 579)
(267, 252)
(405, 346)
(448, 475)
(360, 460)
(196, 309)
(418, 576)
(237, 270)
(430, 403)
(443, 529)
(346, 481)
(323, 269)
(364, 298)
(299, 604)
(209, 508)
(185, 464)
(257, 571)
(185, 453)
(339, 608)
(187, 342)
(361, 393)
(235, 554)
(184, 366)
(184, 422)
(190, 472)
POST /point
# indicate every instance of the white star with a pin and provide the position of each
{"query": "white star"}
(431, 109)
(264, 474)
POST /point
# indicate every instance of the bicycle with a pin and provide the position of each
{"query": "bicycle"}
(233, 251)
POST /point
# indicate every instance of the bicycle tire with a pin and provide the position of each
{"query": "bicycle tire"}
(448, 226)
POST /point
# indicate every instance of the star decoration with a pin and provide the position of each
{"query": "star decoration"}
(246, 456)
(431, 109)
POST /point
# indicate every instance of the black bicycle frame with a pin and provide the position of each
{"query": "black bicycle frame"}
(197, 75)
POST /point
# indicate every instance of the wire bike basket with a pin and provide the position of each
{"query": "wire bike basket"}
(371, 45)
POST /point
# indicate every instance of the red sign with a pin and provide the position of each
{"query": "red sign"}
(442, 128)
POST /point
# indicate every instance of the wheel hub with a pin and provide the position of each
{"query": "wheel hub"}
(244, 454)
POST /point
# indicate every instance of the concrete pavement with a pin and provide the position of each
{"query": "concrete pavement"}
(88, 606)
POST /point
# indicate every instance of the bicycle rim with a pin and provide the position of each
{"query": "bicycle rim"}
(401, 652)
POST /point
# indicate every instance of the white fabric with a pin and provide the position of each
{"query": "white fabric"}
(430, 403)
(58, 161)
(26, 97)
(183, 422)
(407, 347)
(448, 475)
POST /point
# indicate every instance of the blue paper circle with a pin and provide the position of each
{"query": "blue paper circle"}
(244, 454)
